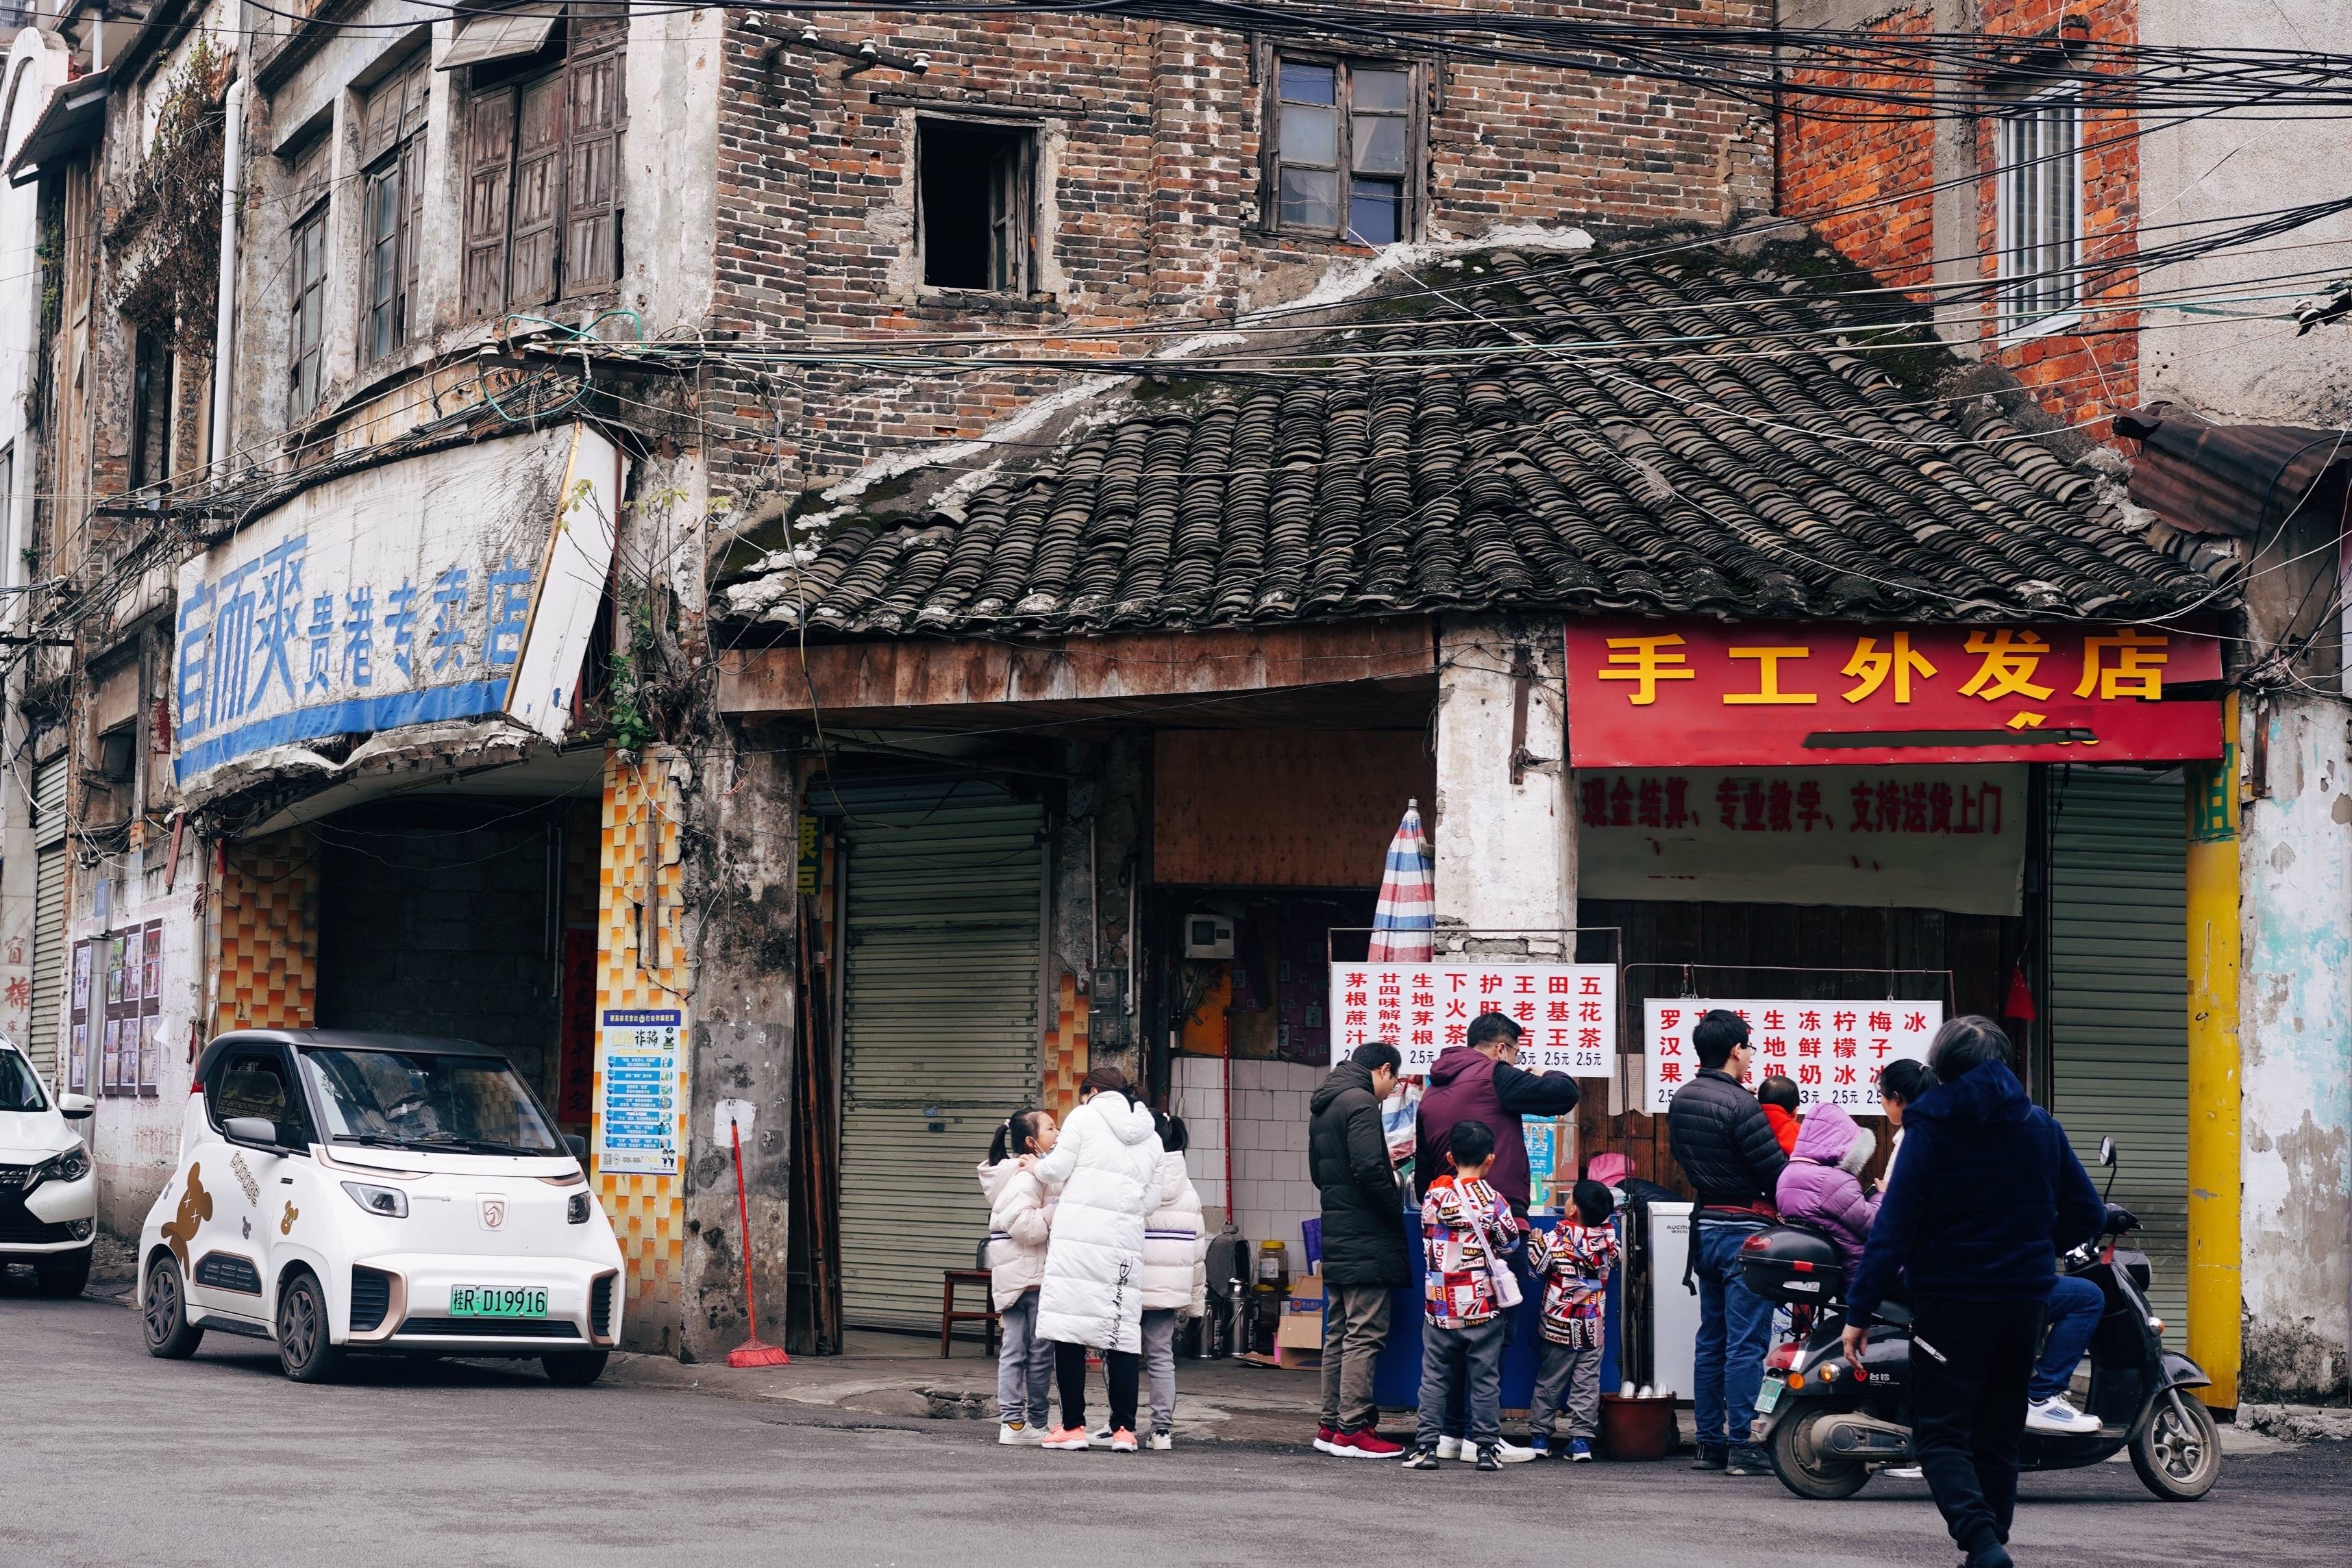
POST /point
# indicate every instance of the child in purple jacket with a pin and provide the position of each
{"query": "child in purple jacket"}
(1822, 1183)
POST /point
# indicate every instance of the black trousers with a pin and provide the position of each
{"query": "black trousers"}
(1123, 1369)
(1971, 1362)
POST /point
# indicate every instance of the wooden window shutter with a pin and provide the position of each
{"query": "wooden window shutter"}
(489, 191)
(593, 175)
(412, 233)
(538, 194)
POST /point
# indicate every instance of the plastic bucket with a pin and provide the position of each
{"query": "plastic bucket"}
(1636, 1428)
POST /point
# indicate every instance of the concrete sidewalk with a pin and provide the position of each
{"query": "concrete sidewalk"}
(902, 1377)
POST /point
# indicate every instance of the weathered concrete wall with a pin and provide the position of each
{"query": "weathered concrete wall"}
(2211, 171)
(743, 865)
(1506, 851)
(2295, 1044)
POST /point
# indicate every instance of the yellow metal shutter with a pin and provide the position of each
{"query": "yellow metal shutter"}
(2119, 1001)
(939, 1027)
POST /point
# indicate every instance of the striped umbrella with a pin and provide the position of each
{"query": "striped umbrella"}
(1407, 912)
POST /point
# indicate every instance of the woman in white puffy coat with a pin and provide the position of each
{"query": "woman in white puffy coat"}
(1175, 1276)
(1105, 1173)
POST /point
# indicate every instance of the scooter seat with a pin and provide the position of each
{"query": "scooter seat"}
(1894, 1313)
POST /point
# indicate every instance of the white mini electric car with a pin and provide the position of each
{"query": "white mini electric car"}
(342, 1192)
(49, 1200)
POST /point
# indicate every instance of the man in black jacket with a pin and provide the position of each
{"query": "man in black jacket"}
(1726, 1146)
(1363, 1243)
(1987, 1194)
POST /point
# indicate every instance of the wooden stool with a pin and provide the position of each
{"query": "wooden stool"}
(950, 1315)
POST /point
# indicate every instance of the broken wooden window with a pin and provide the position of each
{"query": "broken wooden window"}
(973, 188)
(307, 268)
(392, 161)
(545, 112)
(1343, 147)
(154, 370)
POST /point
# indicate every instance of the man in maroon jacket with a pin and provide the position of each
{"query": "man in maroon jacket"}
(1481, 1081)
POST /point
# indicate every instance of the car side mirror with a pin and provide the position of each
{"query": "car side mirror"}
(578, 1145)
(2106, 1151)
(253, 1132)
(77, 1107)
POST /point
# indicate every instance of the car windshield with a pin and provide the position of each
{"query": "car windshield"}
(404, 1099)
(20, 1087)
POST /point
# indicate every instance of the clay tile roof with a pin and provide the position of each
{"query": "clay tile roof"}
(1579, 434)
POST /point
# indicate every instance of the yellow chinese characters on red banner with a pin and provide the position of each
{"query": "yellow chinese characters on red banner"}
(1649, 693)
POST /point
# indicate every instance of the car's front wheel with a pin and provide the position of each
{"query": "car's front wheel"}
(575, 1368)
(164, 1316)
(305, 1347)
(64, 1273)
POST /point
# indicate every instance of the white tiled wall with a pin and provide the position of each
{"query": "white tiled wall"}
(1268, 1137)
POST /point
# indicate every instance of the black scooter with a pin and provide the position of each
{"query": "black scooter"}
(1831, 1424)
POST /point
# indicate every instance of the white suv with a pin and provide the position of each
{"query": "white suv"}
(342, 1192)
(49, 1200)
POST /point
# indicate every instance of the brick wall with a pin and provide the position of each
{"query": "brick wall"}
(1864, 176)
(1149, 144)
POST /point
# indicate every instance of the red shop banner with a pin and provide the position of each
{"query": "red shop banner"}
(1693, 694)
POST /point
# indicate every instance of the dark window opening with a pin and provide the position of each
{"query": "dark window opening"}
(973, 185)
(151, 411)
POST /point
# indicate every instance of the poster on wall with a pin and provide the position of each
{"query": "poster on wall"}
(1833, 1051)
(77, 1021)
(638, 1104)
(1568, 1011)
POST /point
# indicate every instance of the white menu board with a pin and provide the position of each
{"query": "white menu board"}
(1834, 1050)
(1568, 1011)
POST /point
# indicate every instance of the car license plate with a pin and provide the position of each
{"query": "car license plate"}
(496, 1301)
(1769, 1395)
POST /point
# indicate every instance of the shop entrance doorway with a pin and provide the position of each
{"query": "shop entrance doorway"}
(939, 1024)
(2119, 998)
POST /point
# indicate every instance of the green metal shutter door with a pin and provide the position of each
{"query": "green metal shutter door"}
(2119, 1004)
(939, 1025)
(48, 918)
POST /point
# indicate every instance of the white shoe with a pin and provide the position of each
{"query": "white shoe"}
(1450, 1448)
(1014, 1434)
(2055, 1414)
(1161, 1442)
(1103, 1433)
(1903, 1472)
(1512, 1454)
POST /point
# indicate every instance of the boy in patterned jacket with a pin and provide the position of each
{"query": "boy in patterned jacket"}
(1462, 1339)
(1573, 1262)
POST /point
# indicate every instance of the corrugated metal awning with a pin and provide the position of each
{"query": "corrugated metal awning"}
(2229, 479)
(71, 120)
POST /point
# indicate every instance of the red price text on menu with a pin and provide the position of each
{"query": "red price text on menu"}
(1569, 1012)
(1832, 1050)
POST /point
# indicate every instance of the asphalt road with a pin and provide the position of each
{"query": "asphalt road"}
(108, 1458)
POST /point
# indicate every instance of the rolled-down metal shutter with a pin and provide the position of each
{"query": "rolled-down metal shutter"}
(2119, 1002)
(48, 918)
(939, 1026)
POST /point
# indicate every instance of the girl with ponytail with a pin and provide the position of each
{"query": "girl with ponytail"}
(1020, 1219)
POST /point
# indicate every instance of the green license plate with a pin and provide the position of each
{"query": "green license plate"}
(1769, 1395)
(496, 1301)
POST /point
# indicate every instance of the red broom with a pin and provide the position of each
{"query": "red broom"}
(751, 1352)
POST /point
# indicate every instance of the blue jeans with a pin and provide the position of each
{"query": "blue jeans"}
(1734, 1326)
(2075, 1308)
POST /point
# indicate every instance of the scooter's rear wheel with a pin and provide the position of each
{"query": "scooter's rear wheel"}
(1804, 1469)
(2177, 1452)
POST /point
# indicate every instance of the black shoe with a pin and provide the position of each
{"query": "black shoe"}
(1489, 1458)
(1995, 1556)
(1423, 1460)
(1711, 1457)
(1747, 1459)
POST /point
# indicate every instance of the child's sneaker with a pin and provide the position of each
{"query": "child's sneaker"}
(1421, 1459)
(1161, 1442)
(1449, 1447)
(1067, 1437)
(1540, 1447)
(1580, 1452)
(1122, 1441)
(1510, 1453)
(1103, 1433)
(1490, 1458)
(1018, 1435)
(1327, 1439)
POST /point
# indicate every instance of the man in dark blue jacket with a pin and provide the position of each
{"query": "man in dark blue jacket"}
(1985, 1198)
